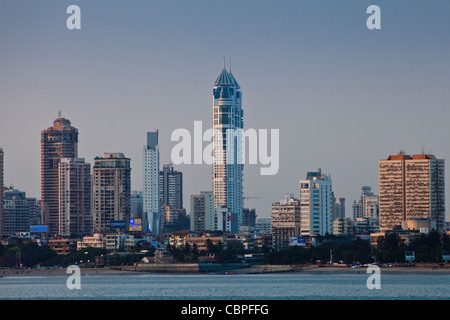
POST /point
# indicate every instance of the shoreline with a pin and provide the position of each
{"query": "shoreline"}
(257, 269)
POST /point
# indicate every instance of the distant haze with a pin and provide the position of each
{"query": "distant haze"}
(342, 96)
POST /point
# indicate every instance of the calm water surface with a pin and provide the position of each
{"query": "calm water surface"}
(227, 287)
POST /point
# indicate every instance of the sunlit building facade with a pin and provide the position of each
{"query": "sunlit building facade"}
(316, 197)
(227, 146)
(411, 187)
(111, 190)
(285, 221)
(57, 142)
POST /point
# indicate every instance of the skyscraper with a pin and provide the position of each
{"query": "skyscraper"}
(75, 205)
(411, 187)
(227, 146)
(151, 209)
(316, 196)
(58, 141)
(171, 187)
(111, 190)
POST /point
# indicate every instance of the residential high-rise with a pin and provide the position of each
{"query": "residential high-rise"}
(263, 225)
(35, 211)
(227, 146)
(1, 189)
(171, 187)
(151, 208)
(357, 210)
(411, 187)
(172, 216)
(16, 212)
(249, 219)
(111, 190)
(202, 213)
(137, 204)
(367, 205)
(316, 197)
(75, 202)
(58, 141)
(338, 208)
(285, 221)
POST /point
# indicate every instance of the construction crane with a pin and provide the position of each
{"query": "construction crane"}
(250, 197)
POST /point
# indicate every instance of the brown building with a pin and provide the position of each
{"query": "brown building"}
(63, 246)
(58, 141)
(285, 221)
(411, 187)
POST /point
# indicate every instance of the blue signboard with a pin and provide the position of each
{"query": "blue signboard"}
(41, 229)
(118, 224)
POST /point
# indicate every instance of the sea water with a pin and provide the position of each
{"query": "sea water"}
(285, 286)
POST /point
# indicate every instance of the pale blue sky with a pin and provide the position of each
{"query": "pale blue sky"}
(342, 96)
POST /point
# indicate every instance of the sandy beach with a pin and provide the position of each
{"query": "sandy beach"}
(63, 272)
(258, 269)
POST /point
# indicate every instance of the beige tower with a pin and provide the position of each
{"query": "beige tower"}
(411, 187)
(285, 221)
(111, 190)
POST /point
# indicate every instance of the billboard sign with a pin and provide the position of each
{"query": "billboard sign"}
(39, 229)
(135, 225)
(297, 241)
(118, 224)
(410, 256)
(446, 255)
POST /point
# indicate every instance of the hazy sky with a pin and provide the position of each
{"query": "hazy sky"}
(342, 96)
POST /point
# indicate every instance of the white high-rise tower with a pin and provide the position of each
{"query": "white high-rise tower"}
(151, 216)
(227, 147)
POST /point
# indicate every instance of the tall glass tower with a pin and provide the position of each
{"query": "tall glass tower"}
(227, 147)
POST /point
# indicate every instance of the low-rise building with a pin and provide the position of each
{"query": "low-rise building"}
(63, 246)
(98, 241)
(343, 227)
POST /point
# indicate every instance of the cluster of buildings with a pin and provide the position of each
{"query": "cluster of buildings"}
(411, 202)
(81, 200)
(92, 204)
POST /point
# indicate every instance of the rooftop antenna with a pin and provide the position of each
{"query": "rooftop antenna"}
(230, 66)
(224, 62)
(59, 113)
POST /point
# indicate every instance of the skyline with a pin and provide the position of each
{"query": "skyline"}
(343, 97)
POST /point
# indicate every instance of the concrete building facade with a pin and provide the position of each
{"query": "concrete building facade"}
(111, 190)
(411, 187)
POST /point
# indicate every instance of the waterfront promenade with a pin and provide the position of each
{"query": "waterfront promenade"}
(256, 269)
